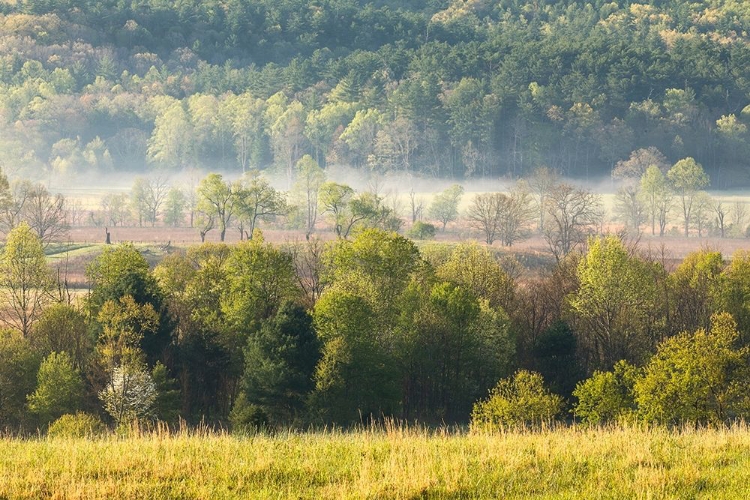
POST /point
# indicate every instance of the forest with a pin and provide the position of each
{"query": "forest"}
(435, 88)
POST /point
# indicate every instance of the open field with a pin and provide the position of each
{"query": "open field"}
(565, 463)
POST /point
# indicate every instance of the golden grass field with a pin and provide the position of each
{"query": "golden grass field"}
(569, 462)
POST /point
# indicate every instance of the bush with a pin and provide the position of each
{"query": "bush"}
(80, 425)
(422, 231)
(518, 402)
(247, 417)
(606, 396)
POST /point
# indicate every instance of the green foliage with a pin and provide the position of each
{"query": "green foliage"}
(62, 327)
(59, 389)
(607, 396)
(18, 368)
(444, 206)
(616, 303)
(355, 377)
(696, 377)
(25, 280)
(555, 357)
(280, 362)
(422, 231)
(77, 426)
(246, 417)
(516, 402)
(474, 267)
(167, 404)
(260, 278)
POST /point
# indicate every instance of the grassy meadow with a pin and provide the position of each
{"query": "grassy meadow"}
(564, 463)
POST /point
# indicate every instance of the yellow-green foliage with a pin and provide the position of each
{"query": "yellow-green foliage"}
(566, 463)
(519, 401)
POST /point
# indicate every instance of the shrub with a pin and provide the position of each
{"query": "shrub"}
(246, 417)
(80, 425)
(606, 396)
(422, 231)
(517, 402)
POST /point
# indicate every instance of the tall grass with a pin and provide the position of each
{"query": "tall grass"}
(393, 462)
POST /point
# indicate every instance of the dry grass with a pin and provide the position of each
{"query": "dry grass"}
(565, 463)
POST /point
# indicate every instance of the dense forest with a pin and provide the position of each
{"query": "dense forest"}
(435, 87)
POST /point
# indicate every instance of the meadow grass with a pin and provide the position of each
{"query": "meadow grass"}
(397, 463)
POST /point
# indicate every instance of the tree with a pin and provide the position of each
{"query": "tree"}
(259, 278)
(629, 207)
(129, 395)
(26, 282)
(147, 197)
(122, 271)
(62, 327)
(615, 305)
(657, 196)
(516, 402)
(542, 181)
(334, 198)
(59, 389)
(573, 215)
(257, 200)
(280, 364)
(174, 207)
(45, 214)
(217, 201)
(355, 377)
(607, 396)
(310, 178)
(501, 216)
(474, 268)
(17, 377)
(687, 178)
(125, 325)
(444, 206)
(696, 377)
(172, 143)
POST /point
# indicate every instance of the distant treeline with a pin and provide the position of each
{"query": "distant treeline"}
(440, 88)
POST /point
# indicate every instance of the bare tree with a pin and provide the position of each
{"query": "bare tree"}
(309, 264)
(629, 207)
(13, 202)
(148, 195)
(739, 217)
(722, 212)
(45, 214)
(542, 181)
(501, 216)
(573, 214)
(416, 205)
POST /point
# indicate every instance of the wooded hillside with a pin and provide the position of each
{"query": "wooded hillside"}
(443, 88)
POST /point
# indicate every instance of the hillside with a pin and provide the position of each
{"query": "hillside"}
(440, 88)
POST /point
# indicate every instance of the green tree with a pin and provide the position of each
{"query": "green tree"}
(310, 179)
(25, 279)
(657, 197)
(280, 364)
(607, 396)
(260, 277)
(444, 206)
(615, 305)
(687, 178)
(17, 377)
(520, 401)
(174, 207)
(59, 389)
(216, 198)
(355, 377)
(62, 327)
(257, 200)
(696, 377)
